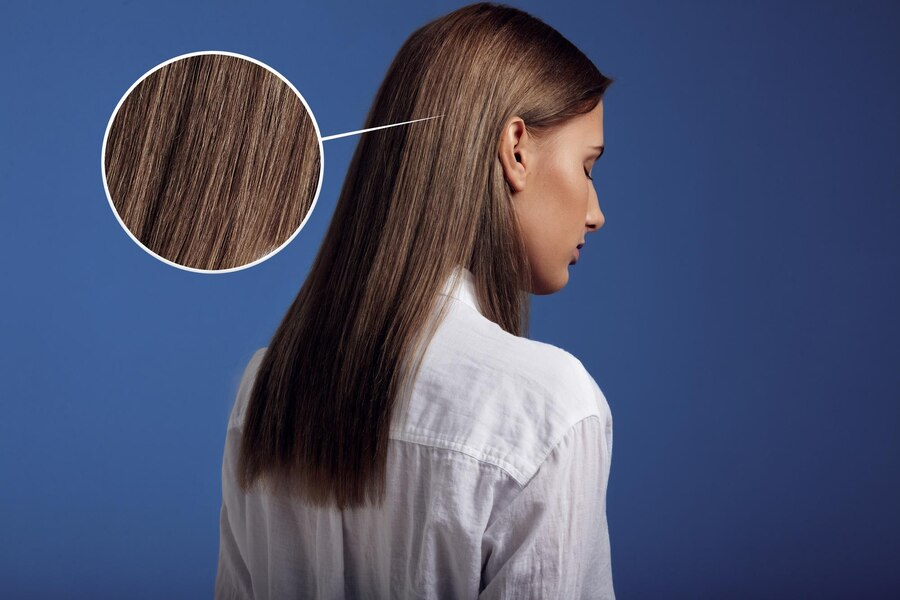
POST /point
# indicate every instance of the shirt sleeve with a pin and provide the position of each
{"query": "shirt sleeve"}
(233, 581)
(232, 577)
(552, 540)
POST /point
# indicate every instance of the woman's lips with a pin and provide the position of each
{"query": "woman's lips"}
(576, 253)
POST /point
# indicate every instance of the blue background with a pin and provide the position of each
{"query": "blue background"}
(739, 308)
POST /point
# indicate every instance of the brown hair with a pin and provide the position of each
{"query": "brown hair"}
(212, 161)
(418, 200)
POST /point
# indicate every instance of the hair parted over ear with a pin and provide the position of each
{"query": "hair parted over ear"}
(212, 161)
(345, 354)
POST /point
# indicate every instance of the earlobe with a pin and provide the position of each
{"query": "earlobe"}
(510, 152)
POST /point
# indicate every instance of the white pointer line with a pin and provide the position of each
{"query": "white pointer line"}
(340, 135)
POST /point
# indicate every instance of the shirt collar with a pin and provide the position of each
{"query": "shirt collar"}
(461, 285)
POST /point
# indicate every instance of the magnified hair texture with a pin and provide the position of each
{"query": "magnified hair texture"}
(418, 200)
(212, 161)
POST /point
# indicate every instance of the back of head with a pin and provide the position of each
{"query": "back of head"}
(417, 201)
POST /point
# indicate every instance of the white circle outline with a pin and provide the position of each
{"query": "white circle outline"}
(259, 260)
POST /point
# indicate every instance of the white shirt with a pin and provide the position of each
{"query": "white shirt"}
(496, 485)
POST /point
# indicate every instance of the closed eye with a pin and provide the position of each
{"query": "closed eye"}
(588, 175)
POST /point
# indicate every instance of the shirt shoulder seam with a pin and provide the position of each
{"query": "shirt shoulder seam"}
(464, 303)
(554, 445)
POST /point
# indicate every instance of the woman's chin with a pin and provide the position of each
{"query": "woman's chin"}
(543, 286)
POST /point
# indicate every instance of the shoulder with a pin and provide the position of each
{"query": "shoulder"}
(502, 398)
(473, 344)
(248, 377)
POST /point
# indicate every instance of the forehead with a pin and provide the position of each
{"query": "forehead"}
(585, 128)
(592, 122)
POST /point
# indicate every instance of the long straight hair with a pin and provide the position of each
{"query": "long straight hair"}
(418, 201)
(212, 161)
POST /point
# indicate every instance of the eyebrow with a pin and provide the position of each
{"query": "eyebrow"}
(601, 148)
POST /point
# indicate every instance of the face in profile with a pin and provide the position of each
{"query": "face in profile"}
(553, 193)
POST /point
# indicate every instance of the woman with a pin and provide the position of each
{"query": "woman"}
(399, 437)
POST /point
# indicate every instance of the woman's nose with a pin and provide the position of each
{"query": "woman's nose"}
(595, 218)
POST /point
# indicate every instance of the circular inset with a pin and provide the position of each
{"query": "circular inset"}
(212, 161)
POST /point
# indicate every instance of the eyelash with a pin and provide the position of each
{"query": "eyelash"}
(588, 175)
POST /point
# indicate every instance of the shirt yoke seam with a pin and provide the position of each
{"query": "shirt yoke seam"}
(429, 442)
(516, 474)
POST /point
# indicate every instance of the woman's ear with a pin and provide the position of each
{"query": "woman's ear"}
(512, 150)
